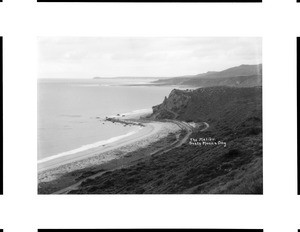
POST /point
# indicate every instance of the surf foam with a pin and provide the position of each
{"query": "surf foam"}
(88, 146)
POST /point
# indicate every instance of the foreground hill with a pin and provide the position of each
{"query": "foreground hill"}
(232, 163)
(240, 76)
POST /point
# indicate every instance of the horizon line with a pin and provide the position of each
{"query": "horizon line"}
(154, 77)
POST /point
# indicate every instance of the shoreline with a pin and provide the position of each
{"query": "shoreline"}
(87, 147)
(152, 132)
(96, 146)
(62, 160)
(135, 114)
(61, 179)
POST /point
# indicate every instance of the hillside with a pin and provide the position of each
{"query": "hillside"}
(209, 104)
(234, 116)
(240, 76)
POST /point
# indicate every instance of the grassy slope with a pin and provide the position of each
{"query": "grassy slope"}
(235, 116)
(240, 76)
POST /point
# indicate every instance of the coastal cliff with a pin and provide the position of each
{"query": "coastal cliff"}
(228, 158)
(173, 105)
(209, 104)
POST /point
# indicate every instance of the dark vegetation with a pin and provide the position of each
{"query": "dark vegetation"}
(131, 158)
(234, 116)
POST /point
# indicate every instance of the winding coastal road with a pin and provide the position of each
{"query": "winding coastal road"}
(179, 142)
(206, 126)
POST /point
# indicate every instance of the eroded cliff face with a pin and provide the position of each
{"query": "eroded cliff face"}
(172, 105)
(209, 104)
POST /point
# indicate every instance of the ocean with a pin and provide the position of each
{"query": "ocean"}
(71, 113)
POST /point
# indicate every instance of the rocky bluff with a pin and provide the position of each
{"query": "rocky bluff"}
(172, 105)
(209, 104)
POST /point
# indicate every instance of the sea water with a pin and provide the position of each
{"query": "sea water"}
(71, 113)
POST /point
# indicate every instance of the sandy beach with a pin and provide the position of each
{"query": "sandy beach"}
(150, 133)
(103, 146)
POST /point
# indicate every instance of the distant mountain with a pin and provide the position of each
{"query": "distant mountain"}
(131, 77)
(240, 76)
(242, 70)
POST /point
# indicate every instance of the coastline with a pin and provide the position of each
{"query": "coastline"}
(85, 148)
(151, 133)
(62, 160)
(102, 145)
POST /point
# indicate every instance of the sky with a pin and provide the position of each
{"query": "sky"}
(88, 57)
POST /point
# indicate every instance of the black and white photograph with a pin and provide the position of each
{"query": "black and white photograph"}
(150, 115)
(153, 115)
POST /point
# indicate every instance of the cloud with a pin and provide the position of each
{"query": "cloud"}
(143, 56)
